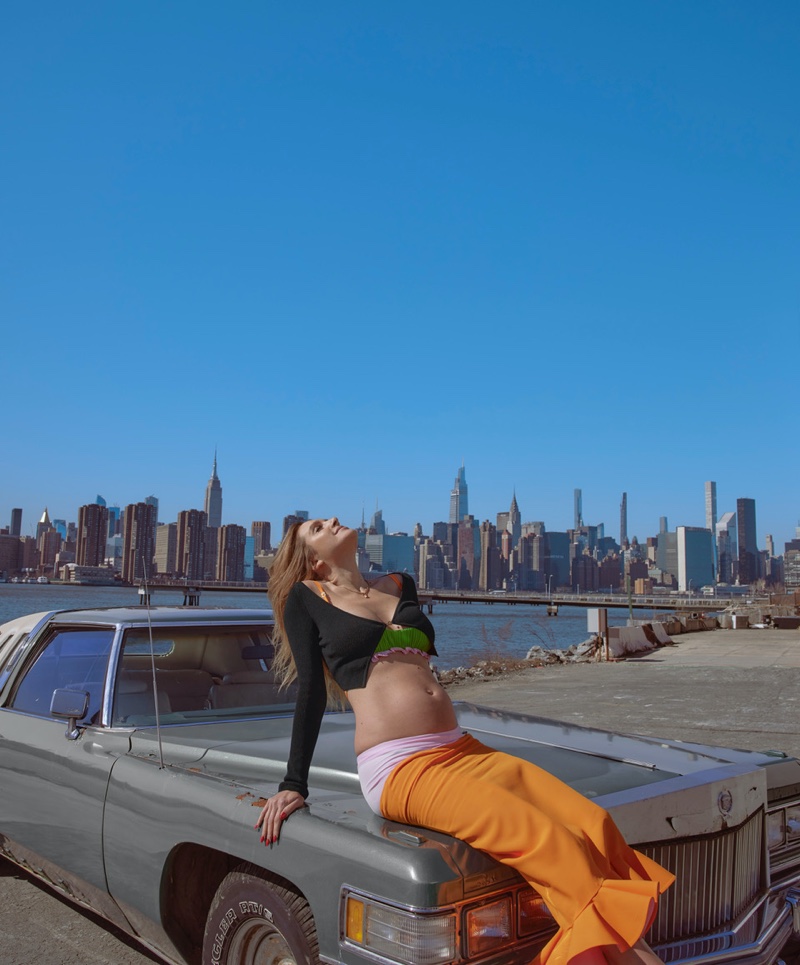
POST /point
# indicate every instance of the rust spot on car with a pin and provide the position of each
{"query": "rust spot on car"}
(259, 803)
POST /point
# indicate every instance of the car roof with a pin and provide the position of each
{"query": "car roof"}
(142, 615)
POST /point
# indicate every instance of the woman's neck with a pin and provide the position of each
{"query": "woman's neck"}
(345, 575)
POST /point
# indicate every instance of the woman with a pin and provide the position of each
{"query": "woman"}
(341, 636)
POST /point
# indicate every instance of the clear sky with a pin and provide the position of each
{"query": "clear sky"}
(351, 244)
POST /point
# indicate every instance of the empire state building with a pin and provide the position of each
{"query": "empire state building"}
(213, 504)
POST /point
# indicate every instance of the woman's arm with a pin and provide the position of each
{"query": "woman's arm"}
(303, 637)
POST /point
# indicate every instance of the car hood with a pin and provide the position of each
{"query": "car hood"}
(253, 753)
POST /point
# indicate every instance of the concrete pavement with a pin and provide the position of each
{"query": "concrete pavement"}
(736, 688)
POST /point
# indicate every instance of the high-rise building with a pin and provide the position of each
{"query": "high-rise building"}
(43, 525)
(213, 504)
(231, 541)
(459, 500)
(49, 545)
(469, 553)
(514, 521)
(623, 521)
(663, 524)
(578, 501)
(138, 541)
(711, 519)
(377, 526)
(16, 522)
(711, 505)
(211, 551)
(99, 500)
(92, 535)
(153, 501)
(695, 547)
(166, 548)
(489, 570)
(727, 549)
(298, 516)
(190, 556)
(390, 553)
(114, 527)
(748, 548)
(261, 531)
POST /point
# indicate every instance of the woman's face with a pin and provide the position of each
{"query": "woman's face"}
(326, 537)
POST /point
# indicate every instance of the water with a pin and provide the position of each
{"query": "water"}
(465, 633)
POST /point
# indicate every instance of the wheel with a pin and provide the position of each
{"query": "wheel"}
(256, 921)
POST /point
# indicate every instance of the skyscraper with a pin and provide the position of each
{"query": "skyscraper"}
(261, 531)
(578, 498)
(711, 505)
(213, 504)
(623, 521)
(748, 548)
(727, 549)
(16, 522)
(153, 501)
(711, 522)
(138, 541)
(190, 544)
(92, 535)
(514, 521)
(459, 502)
(231, 542)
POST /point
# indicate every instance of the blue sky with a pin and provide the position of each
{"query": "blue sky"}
(353, 244)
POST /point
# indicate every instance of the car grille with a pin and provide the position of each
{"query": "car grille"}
(718, 877)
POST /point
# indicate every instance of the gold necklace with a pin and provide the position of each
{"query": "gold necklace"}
(363, 591)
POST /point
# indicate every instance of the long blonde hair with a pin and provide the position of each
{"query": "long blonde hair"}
(293, 563)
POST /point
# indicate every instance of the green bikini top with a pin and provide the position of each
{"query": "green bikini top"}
(402, 640)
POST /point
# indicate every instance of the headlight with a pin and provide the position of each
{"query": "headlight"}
(776, 827)
(402, 935)
(489, 926)
(534, 915)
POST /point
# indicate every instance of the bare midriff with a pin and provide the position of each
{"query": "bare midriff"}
(402, 699)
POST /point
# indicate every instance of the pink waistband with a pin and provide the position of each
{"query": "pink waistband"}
(376, 763)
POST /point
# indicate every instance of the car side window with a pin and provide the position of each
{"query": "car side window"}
(72, 659)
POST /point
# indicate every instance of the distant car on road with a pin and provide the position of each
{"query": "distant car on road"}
(137, 745)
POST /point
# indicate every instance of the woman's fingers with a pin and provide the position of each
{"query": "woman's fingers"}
(275, 812)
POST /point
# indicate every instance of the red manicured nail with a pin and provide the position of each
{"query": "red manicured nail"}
(283, 815)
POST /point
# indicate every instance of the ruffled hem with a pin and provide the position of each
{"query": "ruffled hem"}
(620, 914)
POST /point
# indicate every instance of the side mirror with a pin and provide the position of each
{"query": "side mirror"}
(70, 705)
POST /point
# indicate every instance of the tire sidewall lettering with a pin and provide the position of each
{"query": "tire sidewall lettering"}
(225, 925)
(255, 908)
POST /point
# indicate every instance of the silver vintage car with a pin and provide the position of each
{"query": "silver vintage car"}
(137, 745)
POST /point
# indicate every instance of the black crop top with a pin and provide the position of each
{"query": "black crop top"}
(317, 630)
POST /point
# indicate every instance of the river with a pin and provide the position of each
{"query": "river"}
(465, 633)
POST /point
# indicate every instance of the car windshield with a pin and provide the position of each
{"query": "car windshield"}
(201, 674)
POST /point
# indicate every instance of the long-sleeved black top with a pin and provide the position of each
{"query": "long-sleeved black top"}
(318, 631)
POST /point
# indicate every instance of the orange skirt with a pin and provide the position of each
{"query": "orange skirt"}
(598, 889)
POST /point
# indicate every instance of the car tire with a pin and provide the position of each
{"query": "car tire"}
(256, 920)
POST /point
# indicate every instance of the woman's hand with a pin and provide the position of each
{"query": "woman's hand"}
(275, 812)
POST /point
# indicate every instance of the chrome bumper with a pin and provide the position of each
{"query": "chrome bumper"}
(756, 939)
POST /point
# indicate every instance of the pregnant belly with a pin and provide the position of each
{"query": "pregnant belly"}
(402, 699)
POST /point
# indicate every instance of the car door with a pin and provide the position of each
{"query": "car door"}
(53, 787)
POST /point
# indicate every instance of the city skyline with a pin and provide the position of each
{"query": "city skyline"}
(557, 242)
(215, 485)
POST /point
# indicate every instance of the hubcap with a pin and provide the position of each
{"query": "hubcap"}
(260, 943)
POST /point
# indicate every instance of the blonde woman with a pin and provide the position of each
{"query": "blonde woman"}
(341, 637)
